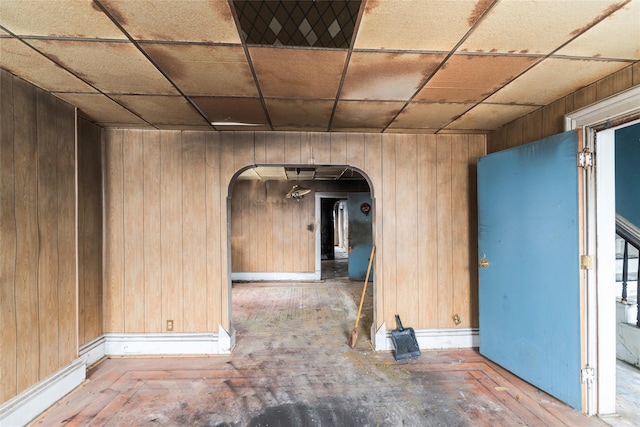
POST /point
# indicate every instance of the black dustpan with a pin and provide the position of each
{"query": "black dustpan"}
(405, 342)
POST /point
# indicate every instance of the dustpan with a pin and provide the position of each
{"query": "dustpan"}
(405, 342)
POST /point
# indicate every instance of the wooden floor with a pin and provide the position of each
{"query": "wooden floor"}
(292, 367)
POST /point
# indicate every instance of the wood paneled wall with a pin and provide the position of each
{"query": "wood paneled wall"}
(549, 120)
(164, 212)
(270, 233)
(38, 333)
(167, 222)
(90, 319)
(266, 227)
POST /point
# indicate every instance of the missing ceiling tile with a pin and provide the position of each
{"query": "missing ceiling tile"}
(319, 23)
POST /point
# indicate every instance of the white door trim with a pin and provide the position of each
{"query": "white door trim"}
(600, 212)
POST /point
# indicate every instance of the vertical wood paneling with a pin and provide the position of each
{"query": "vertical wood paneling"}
(243, 150)
(422, 190)
(389, 240)
(67, 238)
(216, 239)
(90, 321)
(583, 97)
(252, 227)
(373, 169)
(614, 83)
(261, 229)
(532, 126)
(193, 242)
(427, 230)
(152, 253)
(549, 120)
(320, 148)
(26, 269)
(114, 232)
(133, 170)
(227, 172)
(237, 260)
(477, 148)
(47, 175)
(355, 150)
(8, 242)
(460, 213)
(306, 152)
(38, 267)
(444, 242)
(515, 133)
(256, 220)
(406, 225)
(338, 148)
(274, 148)
(553, 118)
(260, 154)
(171, 228)
(292, 153)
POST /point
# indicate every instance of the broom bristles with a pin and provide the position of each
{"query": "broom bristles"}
(353, 338)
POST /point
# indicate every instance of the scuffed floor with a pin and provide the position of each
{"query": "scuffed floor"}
(292, 367)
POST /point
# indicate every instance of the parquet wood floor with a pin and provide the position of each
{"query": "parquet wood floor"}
(292, 367)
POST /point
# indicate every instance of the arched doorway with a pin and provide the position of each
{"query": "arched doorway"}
(274, 232)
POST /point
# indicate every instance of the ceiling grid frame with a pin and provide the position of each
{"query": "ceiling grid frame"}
(369, 93)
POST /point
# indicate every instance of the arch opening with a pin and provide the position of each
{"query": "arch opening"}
(282, 241)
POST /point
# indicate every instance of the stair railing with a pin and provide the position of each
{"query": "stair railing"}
(631, 236)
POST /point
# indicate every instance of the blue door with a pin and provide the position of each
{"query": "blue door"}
(360, 212)
(529, 292)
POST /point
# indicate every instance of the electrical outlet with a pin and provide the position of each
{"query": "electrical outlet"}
(169, 325)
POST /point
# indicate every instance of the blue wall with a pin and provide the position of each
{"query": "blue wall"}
(628, 173)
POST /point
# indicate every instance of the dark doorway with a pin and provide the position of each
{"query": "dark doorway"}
(327, 230)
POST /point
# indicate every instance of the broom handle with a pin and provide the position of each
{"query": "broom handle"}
(364, 288)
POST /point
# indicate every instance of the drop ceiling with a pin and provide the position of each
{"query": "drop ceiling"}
(423, 66)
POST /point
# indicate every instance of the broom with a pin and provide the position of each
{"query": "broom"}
(354, 334)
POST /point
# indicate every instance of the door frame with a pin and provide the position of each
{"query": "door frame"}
(322, 195)
(599, 199)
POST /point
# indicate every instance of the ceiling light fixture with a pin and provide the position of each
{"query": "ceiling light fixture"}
(297, 192)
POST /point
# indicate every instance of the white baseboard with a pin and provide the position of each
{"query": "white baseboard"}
(159, 344)
(433, 339)
(273, 277)
(93, 351)
(36, 399)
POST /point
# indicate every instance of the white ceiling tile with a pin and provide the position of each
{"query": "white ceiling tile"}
(205, 70)
(548, 80)
(25, 62)
(428, 115)
(100, 108)
(59, 18)
(387, 76)
(162, 110)
(298, 73)
(617, 36)
(416, 24)
(289, 114)
(489, 116)
(112, 67)
(206, 21)
(361, 115)
(534, 27)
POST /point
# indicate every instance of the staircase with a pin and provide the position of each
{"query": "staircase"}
(627, 320)
(632, 278)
